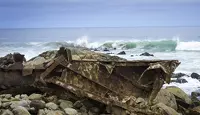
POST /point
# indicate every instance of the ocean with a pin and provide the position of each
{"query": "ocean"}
(181, 43)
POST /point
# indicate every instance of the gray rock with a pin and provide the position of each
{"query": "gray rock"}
(41, 112)
(178, 75)
(23, 103)
(17, 96)
(5, 100)
(181, 80)
(70, 111)
(24, 96)
(146, 54)
(195, 75)
(65, 104)
(122, 53)
(37, 104)
(6, 104)
(35, 97)
(7, 112)
(20, 111)
(51, 106)
(8, 96)
(55, 113)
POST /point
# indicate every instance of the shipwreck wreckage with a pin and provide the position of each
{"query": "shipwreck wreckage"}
(113, 83)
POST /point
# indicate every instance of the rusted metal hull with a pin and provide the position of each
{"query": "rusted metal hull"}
(108, 82)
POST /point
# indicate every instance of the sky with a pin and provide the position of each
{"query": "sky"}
(98, 13)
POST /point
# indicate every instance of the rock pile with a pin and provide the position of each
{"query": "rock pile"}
(41, 104)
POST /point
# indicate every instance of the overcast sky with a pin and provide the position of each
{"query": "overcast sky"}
(98, 13)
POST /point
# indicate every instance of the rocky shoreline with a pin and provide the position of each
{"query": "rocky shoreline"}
(169, 101)
(42, 104)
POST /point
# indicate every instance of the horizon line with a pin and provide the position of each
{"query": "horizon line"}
(97, 27)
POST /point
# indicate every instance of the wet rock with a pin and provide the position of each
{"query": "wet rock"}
(20, 111)
(65, 104)
(77, 104)
(146, 54)
(165, 109)
(178, 75)
(37, 104)
(195, 75)
(70, 111)
(96, 49)
(122, 53)
(7, 112)
(35, 97)
(106, 50)
(51, 106)
(180, 80)
(181, 97)
(166, 98)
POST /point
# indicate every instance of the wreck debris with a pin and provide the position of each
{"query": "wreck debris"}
(109, 82)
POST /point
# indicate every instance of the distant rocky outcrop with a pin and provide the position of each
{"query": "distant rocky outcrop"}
(146, 54)
(122, 53)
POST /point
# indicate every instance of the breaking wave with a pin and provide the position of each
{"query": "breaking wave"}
(163, 45)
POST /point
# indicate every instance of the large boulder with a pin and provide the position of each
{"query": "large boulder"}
(165, 110)
(167, 98)
(181, 97)
(195, 100)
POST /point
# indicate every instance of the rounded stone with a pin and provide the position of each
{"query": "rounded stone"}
(65, 104)
(20, 111)
(37, 104)
(70, 111)
(7, 112)
(35, 97)
(51, 106)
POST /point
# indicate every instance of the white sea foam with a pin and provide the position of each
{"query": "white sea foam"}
(188, 46)
(192, 85)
